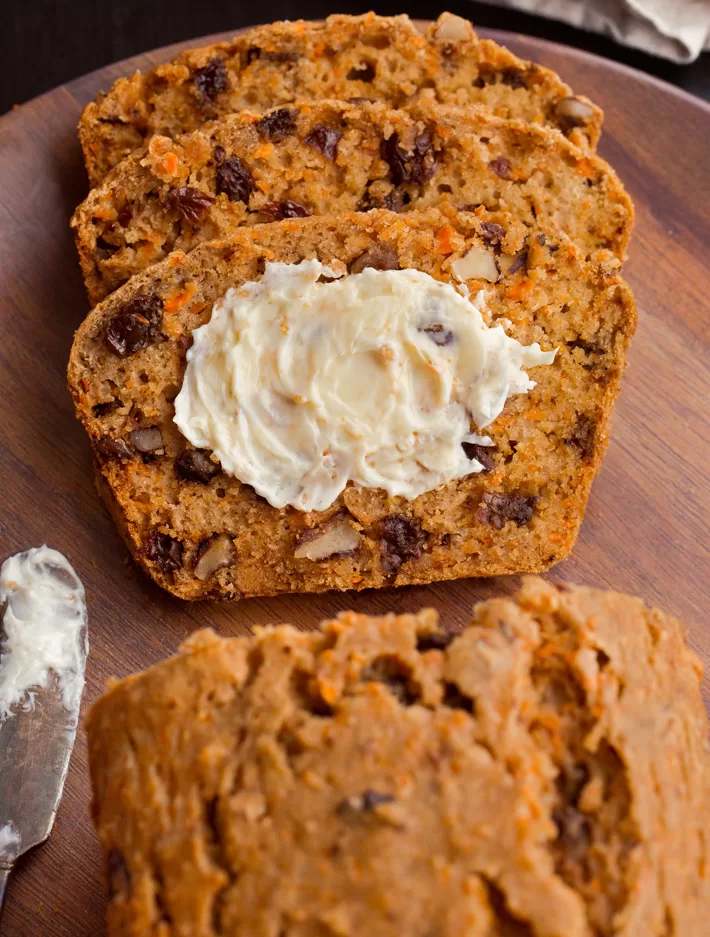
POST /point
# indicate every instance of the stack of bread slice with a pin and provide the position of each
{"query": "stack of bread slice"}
(363, 143)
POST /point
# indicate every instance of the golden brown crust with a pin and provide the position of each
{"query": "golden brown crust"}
(168, 196)
(544, 772)
(522, 515)
(344, 57)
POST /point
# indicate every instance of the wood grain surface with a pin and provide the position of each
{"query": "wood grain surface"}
(646, 529)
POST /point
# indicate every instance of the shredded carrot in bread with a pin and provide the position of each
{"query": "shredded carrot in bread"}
(169, 163)
(177, 300)
(105, 214)
(263, 151)
(520, 289)
(585, 167)
(444, 239)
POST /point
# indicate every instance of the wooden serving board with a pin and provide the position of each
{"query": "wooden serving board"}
(646, 529)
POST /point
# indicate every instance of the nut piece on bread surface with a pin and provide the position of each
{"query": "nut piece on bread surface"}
(521, 513)
(542, 771)
(343, 57)
(248, 169)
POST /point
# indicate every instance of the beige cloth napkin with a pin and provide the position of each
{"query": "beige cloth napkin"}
(674, 29)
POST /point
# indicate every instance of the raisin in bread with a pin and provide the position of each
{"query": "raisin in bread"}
(344, 57)
(200, 533)
(331, 157)
(544, 771)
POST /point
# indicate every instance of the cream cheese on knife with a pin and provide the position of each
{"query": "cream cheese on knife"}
(44, 635)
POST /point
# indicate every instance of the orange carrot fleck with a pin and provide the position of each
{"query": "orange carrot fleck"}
(169, 163)
(328, 692)
(178, 300)
(520, 289)
(443, 237)
(586, 167)
(264, 151)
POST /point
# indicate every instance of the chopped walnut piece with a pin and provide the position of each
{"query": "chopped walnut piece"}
(451, 28)
(335, 538)
(213, 554)
(476, 264)
(148, 439)
(571, 112)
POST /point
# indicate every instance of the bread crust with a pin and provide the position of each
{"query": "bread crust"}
(544, 771)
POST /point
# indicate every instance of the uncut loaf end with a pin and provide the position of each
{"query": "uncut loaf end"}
(544, 771)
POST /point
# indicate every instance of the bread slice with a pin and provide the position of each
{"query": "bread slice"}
(200, 533)
(330, 157)
(544, 771)
(344, 57)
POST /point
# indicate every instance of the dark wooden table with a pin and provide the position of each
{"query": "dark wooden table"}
(46, 42)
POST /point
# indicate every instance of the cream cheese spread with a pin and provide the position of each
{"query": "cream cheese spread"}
(44, 625)
(304, 380)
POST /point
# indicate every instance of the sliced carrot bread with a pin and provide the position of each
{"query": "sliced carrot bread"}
(201, 532)
(330, 157)
(344, 57)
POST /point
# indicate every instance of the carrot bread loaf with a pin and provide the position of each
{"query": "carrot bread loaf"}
(352, 421)
(344, 57)
(330, 157)
(544, 771)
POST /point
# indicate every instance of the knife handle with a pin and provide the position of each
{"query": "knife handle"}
(4, 879)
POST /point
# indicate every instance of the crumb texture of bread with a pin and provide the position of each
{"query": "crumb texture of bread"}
(344, 57)
(542, 772)
(329, 157)
(202, 534)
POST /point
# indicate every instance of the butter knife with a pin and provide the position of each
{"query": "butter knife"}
(43, 648)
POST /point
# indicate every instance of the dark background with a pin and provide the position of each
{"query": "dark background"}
(46, 42)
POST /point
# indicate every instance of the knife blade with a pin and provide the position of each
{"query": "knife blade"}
(41, 682)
